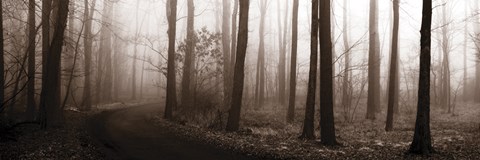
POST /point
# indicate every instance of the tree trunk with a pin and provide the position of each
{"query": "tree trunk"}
(189, 54)
(50, 97)
(106, 49)
(293, 66)
(87, 41)
(31, 61)
(239, 74)
(373, 101)
(308, 123)
(2, 61)
(477, 63)
(226, 51)
(393, 67)
(281, 63)
(171, 102)
(346, 99)
(260, 85)
(326, 81)
(234, 38)
(465, 43)
(135, 50)
(46, 10)
(422, 141)
(446, 65)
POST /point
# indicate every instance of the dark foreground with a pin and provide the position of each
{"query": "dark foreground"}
(130, 134)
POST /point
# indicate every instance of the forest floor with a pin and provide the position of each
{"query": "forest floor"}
(72, 141)
(265, 134)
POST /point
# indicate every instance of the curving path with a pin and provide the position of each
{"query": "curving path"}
(128, 134)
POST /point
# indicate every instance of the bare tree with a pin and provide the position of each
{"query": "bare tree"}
(422, 141)
(31, 61)
(327, 124)
(171, 102)
(293, 65)
(189, 57)
(393, 67)
(52, 115)
(373, 102)
(239, 74)
(226, 51)
(87, 41)
(346, 85)
(308, 123)
(260, 78)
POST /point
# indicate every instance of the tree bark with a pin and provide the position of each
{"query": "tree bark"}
(393, 67)
(31, 61)
(346, 97)
(189, 55)
(2, 61)
(327, 123)
(171, 102)
(293, 66)
(422, 141)
(226, 51)
(106, 49)
(87, 41)
(373, 101)
(308, 123)
(135, 50)
(52, 116)
(260, 85)
(239, 74)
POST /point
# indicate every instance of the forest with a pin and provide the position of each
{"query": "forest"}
(239, 79)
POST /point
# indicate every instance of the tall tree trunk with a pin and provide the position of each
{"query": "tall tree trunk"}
(346, 99)
(171, 102)
(106, 48)
(239, 74)
(293, 65)
(189, 54)
(50, 97)
(2, 61)
(135, 50)
(31, 61)
(46, 11)
(445, 65)
(373, 101)
(87, 41)
(422, 141)
(234, 38)
(308, 123)
(393, 67)
(465, 43)
(260, 85)
(226, 51)
(281, 63)
(327, 123)
(477, 63)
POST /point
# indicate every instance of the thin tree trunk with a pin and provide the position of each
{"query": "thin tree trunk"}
(226, 51)
(346, 99)
(239, 74)
(393, 67)
(234, 38)
(135, 50)
(308, 123)
(261, 57)
(31, 61)
(46, 10)
(465, 43)
(446, 65)
(293, 65)
(171, 102)
(87, 96)
(2, 61)
(187, 96)
(422, 141)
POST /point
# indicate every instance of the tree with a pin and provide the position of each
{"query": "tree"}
(226, 51)
(293, 65)
(239, 73)
(87, 41)
(422, 141)
(106, 49)
(2, 62)
(260, 79)
(52, 114)
(171, 102)
(135, 49)
(446, 66)
(477, 63)
(308, 123)
(31, 61)
(346, 97)
(327, 124)
(393, 67)
(373, 101)
(189, 57)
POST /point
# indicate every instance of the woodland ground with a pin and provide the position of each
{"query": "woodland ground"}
(265, 135)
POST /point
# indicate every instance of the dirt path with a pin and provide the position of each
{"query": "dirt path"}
(128, 134)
